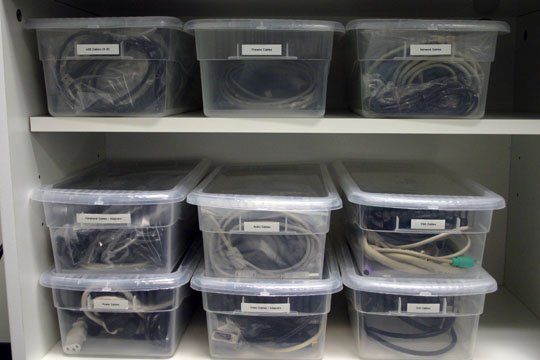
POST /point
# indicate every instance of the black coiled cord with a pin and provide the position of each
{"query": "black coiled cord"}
(100, 86)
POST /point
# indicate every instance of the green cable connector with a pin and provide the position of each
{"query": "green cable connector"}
(463, 262)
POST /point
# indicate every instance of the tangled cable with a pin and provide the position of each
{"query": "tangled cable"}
(413, 254)
(115, 86)
(283, 84)
(270, 333)
(422, 87)
(268, 255)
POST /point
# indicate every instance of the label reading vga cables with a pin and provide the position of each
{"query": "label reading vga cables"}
(431, 49)
(265, 308)
(104, 219)
(262, 50)
(261, 226)
(423, 308)
(97, 49)
(428, 224)
(110, 303)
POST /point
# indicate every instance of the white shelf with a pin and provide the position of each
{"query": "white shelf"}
(345, 123)
(507, 331)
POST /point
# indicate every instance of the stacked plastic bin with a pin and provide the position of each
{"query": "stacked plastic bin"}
(120, 235)
(117, 66)
(421, 68)
(264, 67)
(412, 259)
(265, 285)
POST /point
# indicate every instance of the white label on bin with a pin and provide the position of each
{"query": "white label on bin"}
(261, 226)
(114, 219)
(262, 49)
(265, 308)
(97, 49)
(428, 224)
(110, 303)
(424, 308)
(431, 49)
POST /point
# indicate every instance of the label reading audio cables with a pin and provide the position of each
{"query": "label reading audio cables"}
(428, 224)
(431, 49)
(261, 226)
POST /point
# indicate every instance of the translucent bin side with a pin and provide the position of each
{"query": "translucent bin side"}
(266, 337)
(384, 254)
(115, 72)
(268, 88)
(117, 216)
(266, 305)
(220, 44)
(125, 334)
(264, 256)
(419, 221)
(396, 337)
(410, 305)
(145, 249)
(212, 219)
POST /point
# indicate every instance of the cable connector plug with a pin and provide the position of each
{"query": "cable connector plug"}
(235, 257)
(463, 262)
(76, 337)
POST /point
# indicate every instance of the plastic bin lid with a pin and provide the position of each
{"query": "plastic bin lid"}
(329, 284)
(127, 282)
(126, 184)
(411, 185)
(104, 23)
(481, 283)
(430, 25)
(264, 24)
(306, 187)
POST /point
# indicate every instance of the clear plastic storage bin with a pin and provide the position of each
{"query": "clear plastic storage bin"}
(421, 68)
(128, 315)
(267, 221)
(122, 217)
(136, 66)
(414, 197)
(268, 68)
(268, 319)
(413, 318)
(390, 254)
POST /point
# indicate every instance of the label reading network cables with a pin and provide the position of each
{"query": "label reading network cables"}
(97, 49)
(431, 49)
(265, 308)
(110, 303)
(262, 50)
(104, 219)
(428, 224)
(261, 226)
(424, 308)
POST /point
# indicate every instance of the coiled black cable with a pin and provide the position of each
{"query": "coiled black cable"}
(115, 86)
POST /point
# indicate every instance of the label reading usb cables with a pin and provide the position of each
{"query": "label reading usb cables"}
(97, 49)
(110, 303)
(423, 308)
(261, 226)
(431, 49)
(262, 50)
(265, 308)
(428, 224)
(104, 219)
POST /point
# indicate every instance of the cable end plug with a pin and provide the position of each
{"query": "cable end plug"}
(75, 338)
(463, 262)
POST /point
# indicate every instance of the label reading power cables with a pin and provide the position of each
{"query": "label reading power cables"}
(262, 50)
(110, 303)
(265, 308)
(428, 224)
(423, 308)
(431, 49)
(261, 226)
(104, 219)
(97, 49)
